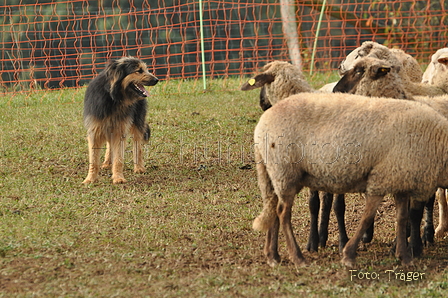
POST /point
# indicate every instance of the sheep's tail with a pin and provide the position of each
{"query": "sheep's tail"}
(268, 216)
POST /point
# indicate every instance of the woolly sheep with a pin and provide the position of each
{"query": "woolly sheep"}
(278, 80)
(358, 81)
(363, 80)
(373, 77)
(321, 141)
(436, 70)
(437, 67)
(410, 69)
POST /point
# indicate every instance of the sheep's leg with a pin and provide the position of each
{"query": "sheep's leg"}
(339, 210)
(349, 251)
(402, 207)
(415, 219)
(284, 213)
(368, 235)
(271, 245)
(428, 229)
(268, 220)
(443, 213)
(325, 218)
(314, 205)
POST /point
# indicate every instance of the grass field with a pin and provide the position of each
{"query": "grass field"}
(182, 229)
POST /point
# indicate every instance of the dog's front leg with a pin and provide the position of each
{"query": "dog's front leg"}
(139, 164)
(95, 144)
(107, 159)
(117, 146)
(138, 141)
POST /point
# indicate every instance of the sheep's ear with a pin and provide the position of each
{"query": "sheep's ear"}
(348, 82)
(381, 71)
(258, 81)
(443, 59)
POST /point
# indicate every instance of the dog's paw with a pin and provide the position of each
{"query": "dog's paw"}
(88, 181)
(139, 169)
(119, 180)
(105, 166)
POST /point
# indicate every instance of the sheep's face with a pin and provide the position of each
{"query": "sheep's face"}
(367, 49)
(277, 80)
(366, 69)
(438, 68)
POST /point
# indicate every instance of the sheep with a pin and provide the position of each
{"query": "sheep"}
(436, 78)
(437, 67)
(363, 80)
(343, 143)
(410, 68)
(278, 80)
(436, 71)
(373, 77)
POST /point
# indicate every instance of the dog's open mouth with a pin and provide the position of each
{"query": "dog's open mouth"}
(140, 89)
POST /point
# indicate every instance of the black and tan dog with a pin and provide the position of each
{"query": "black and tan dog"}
(115, 105)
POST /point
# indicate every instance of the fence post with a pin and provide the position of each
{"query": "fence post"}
(201, 30)
(317, 36)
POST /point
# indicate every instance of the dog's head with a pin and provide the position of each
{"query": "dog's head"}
(127, 77)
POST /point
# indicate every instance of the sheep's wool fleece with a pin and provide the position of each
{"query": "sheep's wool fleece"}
(349, 143)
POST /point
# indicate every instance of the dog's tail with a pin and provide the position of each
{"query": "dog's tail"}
(147, 133)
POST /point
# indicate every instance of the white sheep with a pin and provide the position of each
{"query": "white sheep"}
(365, 79)
(437, 67)
(342, 143)
(353, 79)
(410, 69)
(437, 70)
(279, 80)
(371, 76)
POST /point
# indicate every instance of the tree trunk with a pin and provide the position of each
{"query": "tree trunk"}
(287, 9)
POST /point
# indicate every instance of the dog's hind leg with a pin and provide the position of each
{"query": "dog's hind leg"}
(107, 159)
(117, 146)
(138, 139)
(95, 144)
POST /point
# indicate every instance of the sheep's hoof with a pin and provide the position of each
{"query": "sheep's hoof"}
(407, 263)
(348, 262)
(406, 260)
(301, 263)
(440, 231)
(273, 262)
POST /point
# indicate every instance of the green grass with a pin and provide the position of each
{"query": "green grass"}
(182, 229)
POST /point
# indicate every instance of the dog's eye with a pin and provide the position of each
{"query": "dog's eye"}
(140, 70)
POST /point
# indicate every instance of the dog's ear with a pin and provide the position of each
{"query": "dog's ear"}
(114, 75)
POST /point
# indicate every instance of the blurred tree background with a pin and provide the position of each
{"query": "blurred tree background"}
(48, 44)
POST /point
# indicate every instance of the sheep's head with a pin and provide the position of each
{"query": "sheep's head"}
(437, 69)
(277, 80)
(370, 77)
(367, 49)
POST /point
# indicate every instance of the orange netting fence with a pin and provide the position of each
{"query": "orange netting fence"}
(49, 44)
